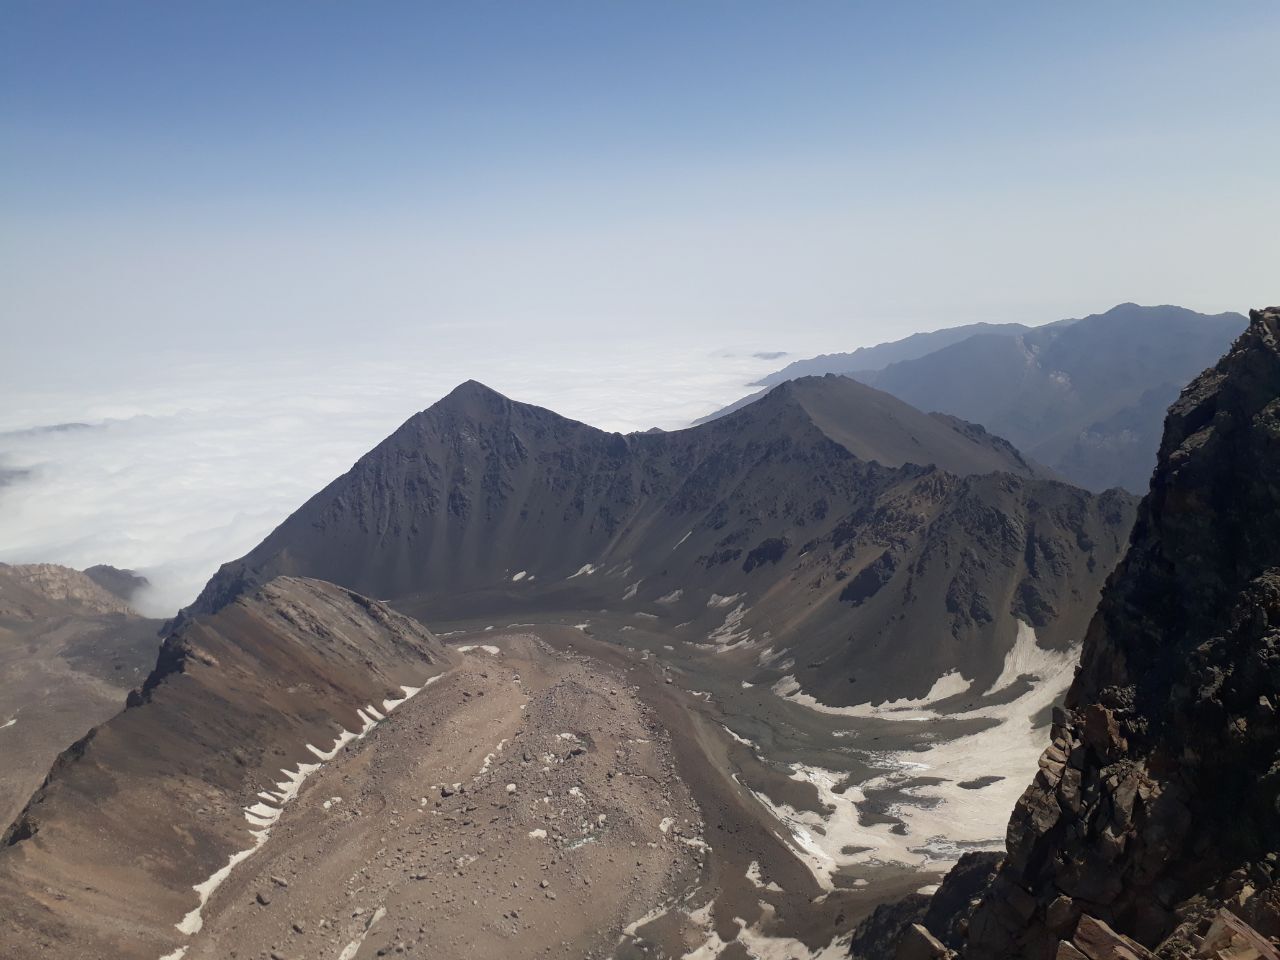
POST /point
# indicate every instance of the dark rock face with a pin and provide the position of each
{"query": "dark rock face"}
(877, 937)
(944, 916)
(1158, 800)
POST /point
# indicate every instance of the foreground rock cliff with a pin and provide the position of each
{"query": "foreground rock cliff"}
(1156, 804)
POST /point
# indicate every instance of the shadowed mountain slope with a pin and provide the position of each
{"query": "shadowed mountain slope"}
(1085, 397)
(828, 515)
(881, 355)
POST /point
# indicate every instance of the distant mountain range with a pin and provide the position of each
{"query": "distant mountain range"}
(1084, 397)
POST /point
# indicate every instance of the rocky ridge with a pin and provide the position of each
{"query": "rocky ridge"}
(827, 520)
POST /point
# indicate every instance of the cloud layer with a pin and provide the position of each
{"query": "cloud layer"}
(176, 475)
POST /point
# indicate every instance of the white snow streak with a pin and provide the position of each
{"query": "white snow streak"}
(262, 816)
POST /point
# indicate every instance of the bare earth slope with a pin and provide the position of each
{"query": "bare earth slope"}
(103, 860)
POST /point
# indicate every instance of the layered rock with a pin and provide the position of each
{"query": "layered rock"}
(1158, 801)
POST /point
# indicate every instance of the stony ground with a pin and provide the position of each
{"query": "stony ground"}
(527, 804)
(60, 676)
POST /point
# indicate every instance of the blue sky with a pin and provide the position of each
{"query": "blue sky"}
(245, 240)
(827, 174)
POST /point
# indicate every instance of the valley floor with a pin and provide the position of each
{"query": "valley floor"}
(526, 803)
(553, 794)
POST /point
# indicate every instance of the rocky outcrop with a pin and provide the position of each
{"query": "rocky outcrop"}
(1158, 801)
(31, 591)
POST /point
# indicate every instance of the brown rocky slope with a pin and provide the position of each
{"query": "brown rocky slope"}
(70, 651)
(103, 860)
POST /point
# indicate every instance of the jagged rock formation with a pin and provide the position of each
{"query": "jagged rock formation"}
(827, 514)
(1157, 801)
(943, 917)
(133, 815)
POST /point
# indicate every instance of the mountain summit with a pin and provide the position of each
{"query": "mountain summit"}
(817, 508)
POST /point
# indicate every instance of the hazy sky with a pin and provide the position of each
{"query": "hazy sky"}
(244, 240)
(206, 175)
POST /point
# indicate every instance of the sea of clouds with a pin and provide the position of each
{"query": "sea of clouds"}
(186, 466)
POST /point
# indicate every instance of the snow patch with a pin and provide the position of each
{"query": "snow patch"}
(731, 633)
(941, 820)
(263, 816)
(486, 647)
(683, 539)
(586, 570)
(8, 723)
(949, 684)
(632, 590)
(742, 740)
(719, 601)
(519, 576)
(757, 944)
(671, 597)
(352, 948)
(757, 878)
